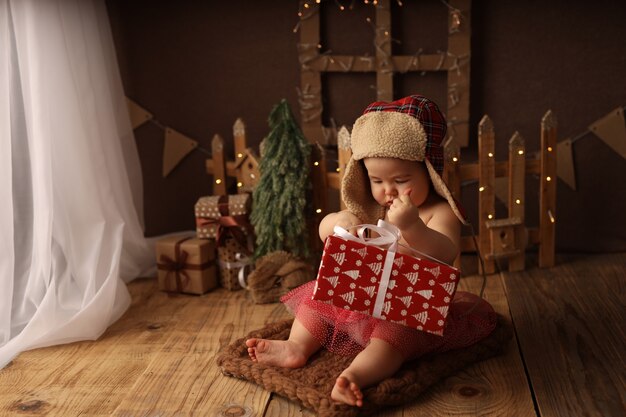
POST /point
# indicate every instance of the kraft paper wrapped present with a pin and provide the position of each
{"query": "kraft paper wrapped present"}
(217, 212)
(225, 219)
(358, 275)
(186, 265)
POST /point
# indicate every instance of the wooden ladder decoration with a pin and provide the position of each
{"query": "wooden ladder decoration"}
(455, 61)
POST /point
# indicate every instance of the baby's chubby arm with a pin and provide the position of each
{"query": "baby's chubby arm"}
(343, 219)
(440, 239)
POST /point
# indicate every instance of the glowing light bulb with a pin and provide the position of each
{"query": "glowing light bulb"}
(456, 19)
(239, 155)
(218, 181)
(338, 169)
(239, 184)
(316, 163)
(520, 152)
(481, 189)
(549, 148)
(490, 155)
(318, 211)
(548, 179)
(455, 159)
(490, 216)
(518, 201)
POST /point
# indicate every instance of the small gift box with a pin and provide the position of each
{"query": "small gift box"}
(186, 265)
(234, 258)
(216, 212)
(225, 218)
(357, 275)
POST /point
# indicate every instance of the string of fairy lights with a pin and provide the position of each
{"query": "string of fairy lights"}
(307, 9)
(311, 54)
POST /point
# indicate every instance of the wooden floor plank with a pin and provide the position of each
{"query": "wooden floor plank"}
(184, 374)
(159, 358)
(282, 407)
(88, 377)
(570, 322)
(496, 386)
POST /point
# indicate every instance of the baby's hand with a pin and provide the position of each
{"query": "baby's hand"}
(346, 220)
(403, 213)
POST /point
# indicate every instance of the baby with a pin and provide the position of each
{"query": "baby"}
(394, 174)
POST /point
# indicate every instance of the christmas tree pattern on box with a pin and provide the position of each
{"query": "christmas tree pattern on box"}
(419, 291)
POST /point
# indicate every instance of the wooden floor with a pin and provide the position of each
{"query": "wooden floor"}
(159, 359)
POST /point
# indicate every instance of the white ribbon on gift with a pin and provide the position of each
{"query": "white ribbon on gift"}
(242, 262)
(388, 235)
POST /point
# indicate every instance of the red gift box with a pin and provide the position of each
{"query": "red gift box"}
(415, 292)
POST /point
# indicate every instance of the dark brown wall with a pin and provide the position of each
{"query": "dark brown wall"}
(197, 66)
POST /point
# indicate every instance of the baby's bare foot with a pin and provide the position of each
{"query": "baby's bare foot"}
(347, 391)
(283, 353)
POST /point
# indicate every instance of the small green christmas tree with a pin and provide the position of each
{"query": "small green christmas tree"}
(279, 200)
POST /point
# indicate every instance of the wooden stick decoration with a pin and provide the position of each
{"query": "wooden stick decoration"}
(219, 167)
(547, 197)
(486, 179)
(517, 203)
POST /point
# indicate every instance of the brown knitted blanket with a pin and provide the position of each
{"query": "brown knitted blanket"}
(311, 385)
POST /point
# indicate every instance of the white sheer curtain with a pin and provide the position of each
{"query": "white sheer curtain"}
(70, 180)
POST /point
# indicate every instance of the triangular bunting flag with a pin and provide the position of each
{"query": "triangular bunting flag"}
(612, 130)
(565, 163)
(176, 147)
(138, 115)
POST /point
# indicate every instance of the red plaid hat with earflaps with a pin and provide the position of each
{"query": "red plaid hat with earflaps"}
(412, 128)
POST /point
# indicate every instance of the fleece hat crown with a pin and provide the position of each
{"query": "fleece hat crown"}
(413, 129)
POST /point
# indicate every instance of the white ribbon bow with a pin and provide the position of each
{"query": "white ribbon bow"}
(242, 261)
(389, 235)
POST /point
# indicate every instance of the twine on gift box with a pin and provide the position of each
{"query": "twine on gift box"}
(228, 225)
(179, 266)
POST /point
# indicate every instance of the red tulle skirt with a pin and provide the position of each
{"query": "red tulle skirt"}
(346, 332)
